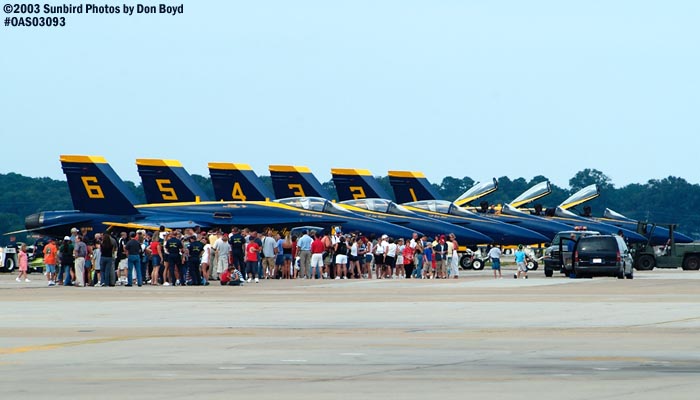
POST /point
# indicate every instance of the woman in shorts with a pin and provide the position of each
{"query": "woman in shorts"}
(379, 255)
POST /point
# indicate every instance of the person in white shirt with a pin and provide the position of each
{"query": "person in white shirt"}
(495, 257)
(390, 259)
(222, 250)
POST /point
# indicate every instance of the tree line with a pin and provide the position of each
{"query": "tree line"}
(668, 200)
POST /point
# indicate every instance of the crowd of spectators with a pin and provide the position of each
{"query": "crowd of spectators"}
(196, 257)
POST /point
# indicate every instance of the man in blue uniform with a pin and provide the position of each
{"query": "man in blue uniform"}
(194, 251)
(173, 249)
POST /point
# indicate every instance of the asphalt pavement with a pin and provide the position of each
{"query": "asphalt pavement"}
(543, 338)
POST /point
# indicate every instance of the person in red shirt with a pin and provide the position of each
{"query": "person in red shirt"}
(317, 249)
(225, 277)
(50, 257)
(252, 250)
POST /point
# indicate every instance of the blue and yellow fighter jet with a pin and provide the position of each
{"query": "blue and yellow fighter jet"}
(167, 178)
(102, 200)
(294, 181)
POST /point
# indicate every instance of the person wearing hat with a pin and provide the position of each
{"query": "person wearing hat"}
(73, 234)
(50, 256)
(65, 255)
(80, 252)
(379, 256)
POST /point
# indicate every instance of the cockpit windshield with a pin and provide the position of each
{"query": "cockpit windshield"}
(313, 204)
(510, 210)
(378, 205)
(439, 206)
(560, 212)
(306, 203)
(590, 192)
(540, 190)
(398, 209)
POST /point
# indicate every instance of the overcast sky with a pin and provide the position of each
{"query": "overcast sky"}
(460, 88)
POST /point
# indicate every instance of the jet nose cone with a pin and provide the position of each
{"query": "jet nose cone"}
(633, 237)
(681, 238)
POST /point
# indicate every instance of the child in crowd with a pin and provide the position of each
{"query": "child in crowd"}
(23, 264)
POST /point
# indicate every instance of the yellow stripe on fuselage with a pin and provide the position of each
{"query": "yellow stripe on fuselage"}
(231, 204)
(134, 226)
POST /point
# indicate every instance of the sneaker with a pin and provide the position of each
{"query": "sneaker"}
(166, 284)
(256, 280)
(515, 276)
(251, 279)
(27, 280)
(18, 280)
(51, 283)
(177, 282)
(342, 277)
(337, 277)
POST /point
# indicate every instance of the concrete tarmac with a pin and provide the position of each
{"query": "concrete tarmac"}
(475, 337)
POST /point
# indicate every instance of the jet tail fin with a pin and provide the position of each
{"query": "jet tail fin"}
(353, 184)
(291, 181)
(411, 186)
(95, 187)
(237, 182)
(167, 181)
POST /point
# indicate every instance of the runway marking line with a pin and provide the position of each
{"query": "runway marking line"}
(54, 346)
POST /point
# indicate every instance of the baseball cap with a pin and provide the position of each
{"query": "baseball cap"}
(66, 238)
(384, 236)
(73, 230)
